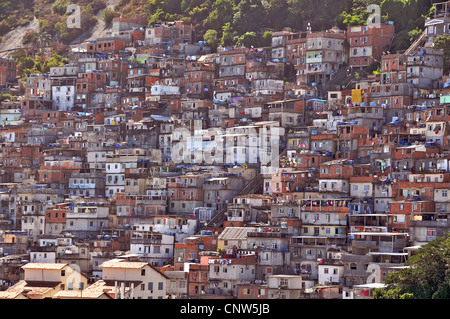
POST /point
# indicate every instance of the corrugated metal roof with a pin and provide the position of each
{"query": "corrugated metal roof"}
(123, 264)
(56, 266)
(236, 233)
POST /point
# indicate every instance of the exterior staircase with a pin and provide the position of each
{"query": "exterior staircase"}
(253, 187)
(420, 41)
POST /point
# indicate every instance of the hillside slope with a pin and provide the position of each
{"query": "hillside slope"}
(13, 39)
(223, 22)
(99, 29)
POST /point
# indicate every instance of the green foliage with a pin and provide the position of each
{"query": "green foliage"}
(266, 38)
(14, 13)
(198, 14)
(51, 14)
(235, 17)
(6, 96)
(212, 38)
(277, 12)
(352, 20)
(222, 14)
(158, 17)
(228, 35)
(427, 275)
(27, 65)
(414, 34)
(249, 16)
(248, 39)
(60, 6)
(408, 17)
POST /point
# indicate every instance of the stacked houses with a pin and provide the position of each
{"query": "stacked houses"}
(157, 168)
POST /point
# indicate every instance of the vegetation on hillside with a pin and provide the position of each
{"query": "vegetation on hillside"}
(15, 13)
(427, 277)
(221, 22)
(225, 21)
(38, 64)
(218, 22)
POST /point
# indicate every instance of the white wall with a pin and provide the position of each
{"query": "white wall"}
(63, 97)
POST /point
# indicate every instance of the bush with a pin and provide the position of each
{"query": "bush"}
(60, 6)
(108, 15)
(4, 27)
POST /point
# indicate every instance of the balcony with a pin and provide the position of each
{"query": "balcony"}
(215, 186)
(260, 234)
(364, 243)
(146, 241)
(430, 223)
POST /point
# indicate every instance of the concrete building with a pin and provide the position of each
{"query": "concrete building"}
(134, 280)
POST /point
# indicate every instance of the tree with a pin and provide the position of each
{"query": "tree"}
(248, 39)
(157, 17)
(222, 13)
(414, 34)
(60, 6)
(426, 277)
(44, 39)
(277, 12)
(249, 16)
(108, 15)
(352, 19)
(198, 14)
(267, 39)
(212, 38)
(38, 38)
(227, 35)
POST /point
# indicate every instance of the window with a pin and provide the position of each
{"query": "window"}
(431, 232)
(160, 285)
(283, 282)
